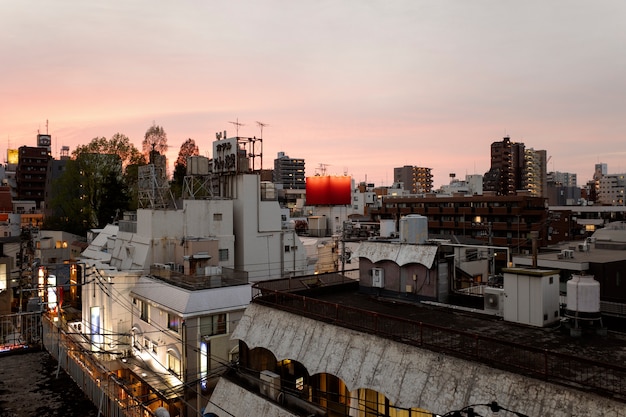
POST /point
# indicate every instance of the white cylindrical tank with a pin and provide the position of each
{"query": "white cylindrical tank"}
(414, 229)
(387, 227)
(583, 294)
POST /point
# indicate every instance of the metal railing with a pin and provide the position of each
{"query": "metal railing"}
(576, 372)
(101, 386)
(20, 330)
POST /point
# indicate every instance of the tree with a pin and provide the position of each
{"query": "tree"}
(187, 149)
(155, 139)
(119, 145)
(94, 188)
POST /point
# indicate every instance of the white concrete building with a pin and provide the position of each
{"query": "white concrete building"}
(263, 248)
(611, 190)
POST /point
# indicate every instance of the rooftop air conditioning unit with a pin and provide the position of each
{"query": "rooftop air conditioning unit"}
(270, 385)
(378, 278)
(494, 301)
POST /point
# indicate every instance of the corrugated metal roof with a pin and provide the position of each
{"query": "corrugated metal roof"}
(402, 254)
(192, 303)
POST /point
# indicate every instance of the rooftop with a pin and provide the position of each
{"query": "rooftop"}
(588, 362)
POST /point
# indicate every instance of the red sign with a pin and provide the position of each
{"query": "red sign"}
(327, 190)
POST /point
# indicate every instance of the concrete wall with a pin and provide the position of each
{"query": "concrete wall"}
(407, 375)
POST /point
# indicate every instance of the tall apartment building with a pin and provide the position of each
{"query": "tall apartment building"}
(31, 173)
(507, 162)
(289, 172)
(534, 172)
(415, 179)
(611, 189)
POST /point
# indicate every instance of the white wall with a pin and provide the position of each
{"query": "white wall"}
(259, 239)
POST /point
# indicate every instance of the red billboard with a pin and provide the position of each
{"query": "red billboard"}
(328, 191)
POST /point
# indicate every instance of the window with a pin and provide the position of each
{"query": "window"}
(205, 366)
(96, 334)
(173, 363)
(144, 310)
(173, 322)
(286, 248)
(223, 254)
(213, 325)
(217, 217)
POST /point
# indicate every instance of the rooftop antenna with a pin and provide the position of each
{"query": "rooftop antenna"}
(261, 125)
(237, 124)
(321, 169)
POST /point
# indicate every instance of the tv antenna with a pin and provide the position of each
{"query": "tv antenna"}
(237, 124)
(321, 169)
(261, 125)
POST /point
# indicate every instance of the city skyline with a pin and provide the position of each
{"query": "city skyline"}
(359, 87)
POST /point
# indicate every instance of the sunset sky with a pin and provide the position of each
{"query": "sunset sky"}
(359, 87)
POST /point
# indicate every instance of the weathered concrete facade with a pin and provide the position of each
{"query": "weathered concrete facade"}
(407, 375)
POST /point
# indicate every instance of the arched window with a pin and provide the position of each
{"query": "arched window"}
(173, 362)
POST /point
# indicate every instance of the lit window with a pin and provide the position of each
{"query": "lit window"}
(173, 363)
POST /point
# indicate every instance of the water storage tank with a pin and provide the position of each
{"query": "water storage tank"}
(414, 229)
(583, 295)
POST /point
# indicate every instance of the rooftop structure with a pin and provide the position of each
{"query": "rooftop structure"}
(335, 350)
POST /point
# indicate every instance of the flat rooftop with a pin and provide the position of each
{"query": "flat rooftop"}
(593, 361)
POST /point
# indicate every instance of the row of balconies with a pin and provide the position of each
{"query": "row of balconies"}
(466, 211)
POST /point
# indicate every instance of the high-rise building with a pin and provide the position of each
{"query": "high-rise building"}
(415, 179)
(534, 173)
(31, 173)
(289, 172)
(506, 172)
